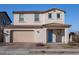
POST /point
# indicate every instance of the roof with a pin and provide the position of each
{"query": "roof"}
(38, 26)
(38, 12)
(56, 25)
(23, 26)
(5, 14)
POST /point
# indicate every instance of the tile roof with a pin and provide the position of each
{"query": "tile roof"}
(56, 25)
(30, 12)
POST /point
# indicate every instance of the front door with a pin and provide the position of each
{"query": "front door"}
(49, 39)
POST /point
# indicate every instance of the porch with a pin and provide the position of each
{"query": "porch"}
(55, 35)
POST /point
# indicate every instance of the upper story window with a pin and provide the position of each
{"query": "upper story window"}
(58, 15)
(50, 15)
(36, 17)
(21, 17)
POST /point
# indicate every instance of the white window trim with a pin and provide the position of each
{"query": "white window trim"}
(38, 20)
(23, 18)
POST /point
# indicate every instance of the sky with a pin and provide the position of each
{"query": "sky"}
(71, 15)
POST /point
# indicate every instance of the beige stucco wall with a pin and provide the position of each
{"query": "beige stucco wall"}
(54, 17)
(29, 18)
(66, 37)
(39, 35)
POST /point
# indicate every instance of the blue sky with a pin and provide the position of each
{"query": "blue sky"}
(71, 16)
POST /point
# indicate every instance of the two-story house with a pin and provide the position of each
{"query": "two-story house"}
(38, 27)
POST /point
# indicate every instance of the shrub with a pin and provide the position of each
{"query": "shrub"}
(40, 44)
(48, 46)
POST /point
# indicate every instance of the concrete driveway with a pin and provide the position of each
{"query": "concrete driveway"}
(25, 49)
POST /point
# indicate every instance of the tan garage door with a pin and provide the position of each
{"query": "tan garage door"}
(23, 36)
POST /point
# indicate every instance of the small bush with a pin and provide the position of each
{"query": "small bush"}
(48, 46)
(40, 44)
(67, 46)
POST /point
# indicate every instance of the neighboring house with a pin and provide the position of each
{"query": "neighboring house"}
(74, 36)
(4, 20)
(71, 36)
(38, 27)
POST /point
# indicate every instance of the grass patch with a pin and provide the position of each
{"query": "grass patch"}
(67, 46)
(47, 46)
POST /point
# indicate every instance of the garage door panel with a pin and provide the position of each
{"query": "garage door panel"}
(23, 36)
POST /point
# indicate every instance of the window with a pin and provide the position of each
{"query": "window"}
(21, 17)
(36, 17)
(50, 15)
(58, 15)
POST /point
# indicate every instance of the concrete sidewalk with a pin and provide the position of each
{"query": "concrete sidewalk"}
(54, 51)
(25, 51)
(74, 50)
